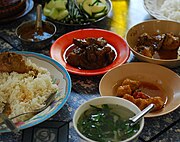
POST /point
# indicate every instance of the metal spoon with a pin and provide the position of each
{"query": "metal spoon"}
(10, 124)
(138, 116)
(49, 100)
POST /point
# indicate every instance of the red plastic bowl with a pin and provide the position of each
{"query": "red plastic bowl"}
(59, 47)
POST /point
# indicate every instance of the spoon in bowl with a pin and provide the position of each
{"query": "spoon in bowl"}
(38, 25)
(138, 116)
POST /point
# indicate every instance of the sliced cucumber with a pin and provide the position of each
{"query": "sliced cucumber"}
(61, 4)
(46, 11)
(97, 8)
(50, 5)
(54, 13)
(62, 14)
(99, 15)
(87, 7)
(103, 1)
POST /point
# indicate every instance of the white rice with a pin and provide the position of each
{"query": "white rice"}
(24, 92)
(171, 9)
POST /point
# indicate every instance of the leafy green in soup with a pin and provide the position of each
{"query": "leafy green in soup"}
(107, 123)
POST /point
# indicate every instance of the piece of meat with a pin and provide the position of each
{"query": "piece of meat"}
(143, 103)
(10, 62)
(159, 104)
(132, 83)
(110, 56)
(171, 42)
(145, 40)
(147, 51)
(123, 89)
(92, 53)
(129, 98)
(142, 95)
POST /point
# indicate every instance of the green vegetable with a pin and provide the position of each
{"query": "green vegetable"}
(97, 8)
(68, 13)
(56, 9)
(54, 13)
(87, 6)
(46, 11)
(61, 4)
(62, 14)
(50, 5)
(94, 6)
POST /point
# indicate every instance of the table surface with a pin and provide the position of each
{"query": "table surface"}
(125, 13)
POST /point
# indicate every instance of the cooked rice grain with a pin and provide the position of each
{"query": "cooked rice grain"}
(171, 9)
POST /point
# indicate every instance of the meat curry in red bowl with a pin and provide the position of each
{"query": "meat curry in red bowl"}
(90, 52)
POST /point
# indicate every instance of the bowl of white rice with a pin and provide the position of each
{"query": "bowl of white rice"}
(163, 9)
(23, 92)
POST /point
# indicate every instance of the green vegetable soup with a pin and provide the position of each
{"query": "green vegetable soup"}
(107, 123)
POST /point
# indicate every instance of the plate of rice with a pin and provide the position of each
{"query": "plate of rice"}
(163, 9)
(26, 91)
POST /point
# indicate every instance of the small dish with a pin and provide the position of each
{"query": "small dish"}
(109, 100)
(153, 27)
(31, 39)
(158, 75)
(60, 46)
(60, 76)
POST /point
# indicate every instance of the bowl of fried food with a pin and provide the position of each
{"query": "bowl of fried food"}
(156, 41)
(143, 84)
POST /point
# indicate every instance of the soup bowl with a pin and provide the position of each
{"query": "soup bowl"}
(153, 27)
(129, 108)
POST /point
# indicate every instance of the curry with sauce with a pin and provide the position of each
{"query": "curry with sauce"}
(90, 53)
(160, 46)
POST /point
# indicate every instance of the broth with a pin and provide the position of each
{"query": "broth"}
(108, 122)
(165, 54)
(152, 90)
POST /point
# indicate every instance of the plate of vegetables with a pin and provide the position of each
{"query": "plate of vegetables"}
(76, 12)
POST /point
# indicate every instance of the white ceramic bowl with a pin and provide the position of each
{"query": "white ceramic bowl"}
(153, 27)
(106, 100)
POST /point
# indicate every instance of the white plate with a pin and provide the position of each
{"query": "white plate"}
(161, 76)
(61, 77)
(153, 8)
